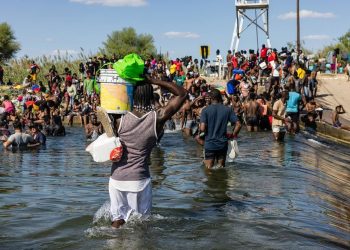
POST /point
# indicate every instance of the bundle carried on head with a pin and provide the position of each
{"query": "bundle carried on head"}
(130, 68)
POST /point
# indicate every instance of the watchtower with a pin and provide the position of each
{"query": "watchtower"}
(244, 9)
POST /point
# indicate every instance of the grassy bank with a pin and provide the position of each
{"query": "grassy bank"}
(17, 69)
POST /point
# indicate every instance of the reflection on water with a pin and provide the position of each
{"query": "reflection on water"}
(274, 195)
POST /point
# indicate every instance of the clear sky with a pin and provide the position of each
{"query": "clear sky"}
(178, 27)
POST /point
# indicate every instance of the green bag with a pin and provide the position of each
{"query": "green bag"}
(130, 68)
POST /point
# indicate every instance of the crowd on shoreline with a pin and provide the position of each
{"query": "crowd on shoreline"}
(268, 90)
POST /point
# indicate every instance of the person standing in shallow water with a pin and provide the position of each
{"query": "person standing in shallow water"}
(130, 183)
(279, 117)
(213, 127)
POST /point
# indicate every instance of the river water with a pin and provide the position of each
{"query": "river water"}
(287, 195)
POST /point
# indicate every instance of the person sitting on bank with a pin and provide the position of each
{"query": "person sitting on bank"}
(314, 108)
(19, 139)
(335, 118)
(76, 111)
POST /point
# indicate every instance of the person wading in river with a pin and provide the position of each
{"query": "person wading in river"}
(20, 139)
(130, 183)
(213, 125)
(279, 117)
(188, 121)
(251, 111)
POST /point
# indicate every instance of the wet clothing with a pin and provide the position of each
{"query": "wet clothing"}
(4, 134)
(170, 125)
(40, 138)
(278, 129)
(252, 121)
(138, 136)
(216, 154)
(130, 183)
(19, 139)
(216, 118)
(124, 203)
(190, 124)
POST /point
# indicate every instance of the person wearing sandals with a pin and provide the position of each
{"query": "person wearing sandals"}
(130, 183)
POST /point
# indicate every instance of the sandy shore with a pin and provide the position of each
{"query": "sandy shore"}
(333, 91)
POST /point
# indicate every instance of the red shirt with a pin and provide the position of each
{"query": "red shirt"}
(245, 65)
(263, 52)
(271, 57)
(234, 62)
(178, 65)
(68, 78)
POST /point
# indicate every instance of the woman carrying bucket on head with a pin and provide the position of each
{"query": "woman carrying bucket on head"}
(130, 183)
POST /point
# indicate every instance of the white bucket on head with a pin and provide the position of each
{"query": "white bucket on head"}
(116, 93)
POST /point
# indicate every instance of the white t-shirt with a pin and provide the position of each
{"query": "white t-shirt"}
(218, 60)
(275, 72)
(20, 139)
(72, 91)
(2, 110)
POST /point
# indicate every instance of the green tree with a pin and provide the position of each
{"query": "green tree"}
(128, 41)
(8, 44)
(344, 42)
(343, 45)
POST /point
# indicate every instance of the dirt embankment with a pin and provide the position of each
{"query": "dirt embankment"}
(333, 91)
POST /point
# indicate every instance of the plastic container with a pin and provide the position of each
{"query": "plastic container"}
(116, 93)
(104, 148)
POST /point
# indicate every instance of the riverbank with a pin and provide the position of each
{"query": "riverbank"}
(333, 91)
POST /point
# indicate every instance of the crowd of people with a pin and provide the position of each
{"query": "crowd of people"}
(267, 90)
(37, 109)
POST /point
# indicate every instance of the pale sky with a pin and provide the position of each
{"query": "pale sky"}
(179, 27)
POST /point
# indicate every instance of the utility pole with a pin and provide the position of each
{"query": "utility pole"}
(298, 31)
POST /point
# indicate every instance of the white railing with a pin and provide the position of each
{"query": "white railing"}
(252, 2)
